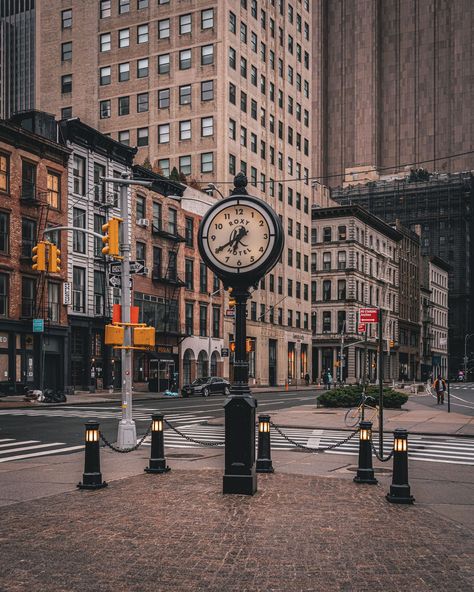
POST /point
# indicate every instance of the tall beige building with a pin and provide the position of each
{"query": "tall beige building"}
(211, 88)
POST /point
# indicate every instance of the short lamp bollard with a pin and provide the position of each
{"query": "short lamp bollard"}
(264, 458)
(92, 477)
(400, 489)
(157, 462)
(365, 472)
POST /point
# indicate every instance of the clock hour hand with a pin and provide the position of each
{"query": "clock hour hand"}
(234, 239)
(222, 247)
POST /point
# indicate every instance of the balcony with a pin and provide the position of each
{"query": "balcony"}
(171, 277)
(171, 234)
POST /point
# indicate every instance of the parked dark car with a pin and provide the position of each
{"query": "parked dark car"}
(206, 386)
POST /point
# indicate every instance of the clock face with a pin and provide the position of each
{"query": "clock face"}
(238, 236)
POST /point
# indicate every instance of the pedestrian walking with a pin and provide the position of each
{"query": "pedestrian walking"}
(307, 379)
(439, 386)
(329, 380)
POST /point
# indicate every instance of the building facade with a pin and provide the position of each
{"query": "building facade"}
(441, 205)
(33, 198)
(91, 202)
(391, 86)
(354, 264)
(211, 88)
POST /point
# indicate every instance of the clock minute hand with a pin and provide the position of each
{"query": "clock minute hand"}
(239, 237)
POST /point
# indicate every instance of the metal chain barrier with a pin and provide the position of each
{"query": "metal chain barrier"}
(308, 448)
(189, 439)
(137, 445)
(381, 458)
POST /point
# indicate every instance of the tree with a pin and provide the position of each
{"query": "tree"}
(174, 175)
(147, 164)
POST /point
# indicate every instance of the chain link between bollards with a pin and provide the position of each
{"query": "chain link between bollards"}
(381, 458)
(308, 448)
(124, 451)
(189, 439)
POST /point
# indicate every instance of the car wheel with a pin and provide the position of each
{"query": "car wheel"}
(226, 391)
(205, 392)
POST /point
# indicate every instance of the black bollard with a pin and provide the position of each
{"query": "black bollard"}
(157, 455)
(92, 477)
(400, 489)
(264, 458)
(365, 472)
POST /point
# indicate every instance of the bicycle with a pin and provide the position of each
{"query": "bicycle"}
(363, 411)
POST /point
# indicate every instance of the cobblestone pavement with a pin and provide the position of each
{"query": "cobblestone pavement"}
(177, 532)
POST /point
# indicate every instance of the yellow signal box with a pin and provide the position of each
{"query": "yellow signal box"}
(232, 346)
(337, 364)
(143, 336)
(392, 342)
(54, 259)
(114, 335)
(232, 300)
(249, 345)
(112, 237)
(39, 256)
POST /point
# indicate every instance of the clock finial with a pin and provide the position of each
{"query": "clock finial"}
(240, 183)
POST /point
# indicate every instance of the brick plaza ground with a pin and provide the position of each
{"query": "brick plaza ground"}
(177, 532)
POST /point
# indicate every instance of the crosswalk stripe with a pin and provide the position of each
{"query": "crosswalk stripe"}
(16, 443)
(31, 447)
(43, 453)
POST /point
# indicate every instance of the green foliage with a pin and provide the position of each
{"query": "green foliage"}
(174, 175)
(350, 396)
(147, 164)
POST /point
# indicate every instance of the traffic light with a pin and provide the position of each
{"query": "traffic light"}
(232, 300)
(249, 345)
(232, 346)
(392, 343)
(39, 256)
(112, 237)
(337, 363)
(54, 259)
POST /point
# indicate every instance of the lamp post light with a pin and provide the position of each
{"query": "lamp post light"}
(365, 472)
(157, 463)
(92, 477)
(264, 458)
(400, 489)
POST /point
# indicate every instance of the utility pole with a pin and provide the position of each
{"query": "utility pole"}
(341, 357)
(380, 373)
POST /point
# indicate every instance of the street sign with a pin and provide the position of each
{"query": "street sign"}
(225, 352)
(115, 268)
(361, 328)
(230, 312)
(116, 281)
(135, 267)
(38, 325)
(67, 293)
(368, 315)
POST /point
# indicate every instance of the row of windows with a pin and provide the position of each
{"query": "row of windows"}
(28, 298)
(263, 180)
(29, 187)
(251, 141)
(327, 321)
(267, 314)
(330, 234)
(203, 322)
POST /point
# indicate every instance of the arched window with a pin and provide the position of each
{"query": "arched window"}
(203, 364)
(214, 360)
(188, 360)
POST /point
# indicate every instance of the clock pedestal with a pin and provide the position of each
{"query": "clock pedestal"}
(240, 475)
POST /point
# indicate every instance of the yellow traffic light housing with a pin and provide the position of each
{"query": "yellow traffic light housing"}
(112, 237)
(143, 336)
(39, 256)
(392, 342)
(54, 259)
(232, 300)
(114, 335)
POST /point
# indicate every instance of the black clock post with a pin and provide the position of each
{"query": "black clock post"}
(240, 262)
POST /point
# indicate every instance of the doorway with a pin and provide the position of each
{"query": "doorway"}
(272, 362)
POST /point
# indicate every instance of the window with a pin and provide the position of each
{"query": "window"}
(290, 318)
(28, 236)
(99, 185)
(189, 318)
(142, 136)
(105, 42)
(172, 221)
(243, 67)
(207, 55)
(99, 220)
(341, 260)
(105, 109)
(342, 233)
(203, 278)
(66, 19)
(4, 295)
(140, 251)
(164, 29)
(232, 164)
(185, 94)
(142, 68)
(326, 290)
(142, 34)
(124, 105)
(164, 63)
(327, 234)
(232, 57)
(326, 321)
(243, 32)
(78, 172)
(142, 102)
(79, 238)
(99, 293)
(66, 83)
(189, 274)
(203, 320)
(124, 38)
(185, 59)
(216, 321)
(124, 72)
(253, 42)
(105, 75)
(207, 162)
(142, 4)
(185, 165)
(4, 233)
(66, 113)
(232, 93)
(66, 51)
(207, 90)
(341, 289)
(78, 289)
(157, 262)
(185, 24)
(185, 130)
(189, 232)
(164, 166)
(207, 126)
(164, 133)
(243, 101)
(157, 216)
(290, 287)
(253, 311)
(232, 22)
(326, 260)
(207, 19)
(124, 6)
(28, 291)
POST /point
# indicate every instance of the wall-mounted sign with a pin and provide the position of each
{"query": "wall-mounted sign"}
(67, 293)
(368, 315)
(225, 352)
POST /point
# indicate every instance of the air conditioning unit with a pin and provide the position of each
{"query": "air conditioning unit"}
(143, 222)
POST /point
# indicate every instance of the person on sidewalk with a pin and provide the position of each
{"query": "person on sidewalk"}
(329, 380)
(439, 386)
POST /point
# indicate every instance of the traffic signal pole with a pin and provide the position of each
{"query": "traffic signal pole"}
(380, 365)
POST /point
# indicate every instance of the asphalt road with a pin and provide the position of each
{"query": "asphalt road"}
(462, 398)
(64, 425)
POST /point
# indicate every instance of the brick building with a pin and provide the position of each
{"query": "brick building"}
(33, 197)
